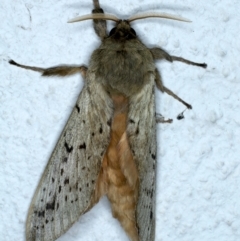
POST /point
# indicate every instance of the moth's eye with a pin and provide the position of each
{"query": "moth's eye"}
(113, 31)
(133, 31)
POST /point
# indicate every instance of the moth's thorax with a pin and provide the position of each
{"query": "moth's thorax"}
(122, 66)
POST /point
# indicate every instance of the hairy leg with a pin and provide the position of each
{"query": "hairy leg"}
(162, 88)
(159, 54)
(61, 70)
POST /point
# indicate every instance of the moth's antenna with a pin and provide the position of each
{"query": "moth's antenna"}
(157, 15)
(94, 16)
(96, 4)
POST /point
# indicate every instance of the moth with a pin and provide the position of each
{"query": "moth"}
(108, 146)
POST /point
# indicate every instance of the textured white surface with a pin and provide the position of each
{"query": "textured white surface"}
(198, 194)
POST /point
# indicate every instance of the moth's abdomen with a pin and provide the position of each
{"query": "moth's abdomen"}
(119, 175)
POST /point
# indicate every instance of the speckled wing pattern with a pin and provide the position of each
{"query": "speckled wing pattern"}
(142, 139)
(68, 182)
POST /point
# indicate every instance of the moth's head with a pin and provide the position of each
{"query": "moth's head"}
(123, 29)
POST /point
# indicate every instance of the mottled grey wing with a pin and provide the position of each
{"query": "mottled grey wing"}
(68, 182)
(142, 139)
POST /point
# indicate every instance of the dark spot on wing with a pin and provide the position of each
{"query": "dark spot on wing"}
(62, 171)
(151, 215)
(68, 148)
(51, 205)
(93, 134)
(57, 207)
(84, 121)
(66, 181)
(151, 193)
(100, 130)
(137, 131)
(153, 157)
(109, 122)
(66, 198)
(44, 189)
(78, 108)
(132, 121)
(46, 221)
(65, 159)
(153, 90)
(53, 180)
(41, 213)
(83, 146)
(59, 189)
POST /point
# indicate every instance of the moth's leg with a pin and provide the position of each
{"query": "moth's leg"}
(168, 91)
(159, 53)
(186, 61)
(158, 80)
(61, 70)
(100, 26)
(160, 119)
(162, 88)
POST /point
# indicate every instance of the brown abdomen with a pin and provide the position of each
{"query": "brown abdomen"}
(119, 177)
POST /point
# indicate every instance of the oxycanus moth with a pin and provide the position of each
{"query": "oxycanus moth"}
(108, 146)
